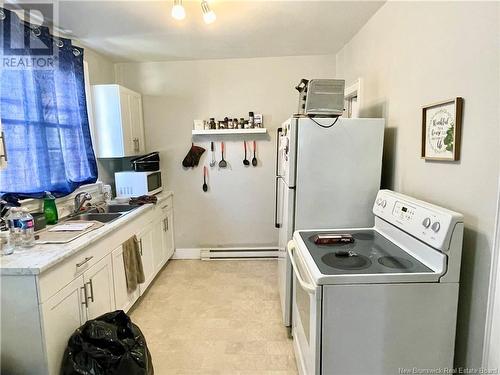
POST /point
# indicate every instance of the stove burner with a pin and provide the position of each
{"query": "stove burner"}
(395, 262)
(356, 262)
(367, 236)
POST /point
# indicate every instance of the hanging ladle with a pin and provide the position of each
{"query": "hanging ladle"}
(205, 172)
(254, 160)
(245, 161)
(222, 163)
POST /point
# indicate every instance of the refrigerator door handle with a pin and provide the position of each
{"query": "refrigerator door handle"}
(278, 132)
(276, 224)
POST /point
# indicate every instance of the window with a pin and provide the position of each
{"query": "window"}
(43, 112)
(352, 97)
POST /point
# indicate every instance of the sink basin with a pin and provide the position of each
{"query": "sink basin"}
(114, 208)
(120, 208)
(103, 218)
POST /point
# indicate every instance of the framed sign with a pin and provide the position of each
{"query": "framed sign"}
(441, 130)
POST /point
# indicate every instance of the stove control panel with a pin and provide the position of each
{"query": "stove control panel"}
(429, 223)
(403, 211)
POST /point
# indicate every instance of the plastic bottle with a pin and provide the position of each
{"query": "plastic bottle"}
(21, 226)
(50, 209)
(251, 120)
(13, 220)
(28, 229)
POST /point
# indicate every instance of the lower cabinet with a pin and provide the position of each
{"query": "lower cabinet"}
(158, 251)
(123, 299)
(62, 314)
(146, 243)
(53, 305)
(86, 297)
(168, 237)
(98, 288)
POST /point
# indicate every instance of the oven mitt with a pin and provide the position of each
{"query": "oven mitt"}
(193, 156)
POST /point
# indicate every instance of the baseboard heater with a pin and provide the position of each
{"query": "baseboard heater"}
(238, 253)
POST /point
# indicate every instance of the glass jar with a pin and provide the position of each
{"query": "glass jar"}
(6, 247)
(212, 123)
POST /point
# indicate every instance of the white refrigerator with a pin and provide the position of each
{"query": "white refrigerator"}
(327, 176)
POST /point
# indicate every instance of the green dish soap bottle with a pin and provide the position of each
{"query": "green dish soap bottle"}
(50, 209)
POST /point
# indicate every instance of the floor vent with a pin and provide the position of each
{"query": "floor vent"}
(238, 253)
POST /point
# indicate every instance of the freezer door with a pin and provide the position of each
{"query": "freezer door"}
(338, 172)
(287, 146)
(285, 219)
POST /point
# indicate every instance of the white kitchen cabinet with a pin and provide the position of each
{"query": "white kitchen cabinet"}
(158, 249)
(123, 298)
(118, 121)
(99, 289)
(168, 235)
(62, 314)
(147, 255)
(40, 311)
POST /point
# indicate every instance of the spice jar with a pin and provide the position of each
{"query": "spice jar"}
(212, 123)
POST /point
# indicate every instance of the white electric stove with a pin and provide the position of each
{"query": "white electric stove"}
(378, 300)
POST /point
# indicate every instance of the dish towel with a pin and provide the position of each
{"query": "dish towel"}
(134, 273)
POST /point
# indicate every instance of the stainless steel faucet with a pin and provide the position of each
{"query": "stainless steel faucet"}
(80, 200)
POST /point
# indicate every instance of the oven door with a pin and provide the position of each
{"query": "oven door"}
(154, 182)
(306, 316)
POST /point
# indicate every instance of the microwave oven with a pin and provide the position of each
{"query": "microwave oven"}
(135, 184)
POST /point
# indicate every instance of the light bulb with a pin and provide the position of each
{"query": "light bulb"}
(208, 14)
(178, 11)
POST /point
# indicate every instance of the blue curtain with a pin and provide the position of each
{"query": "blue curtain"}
(43, 112)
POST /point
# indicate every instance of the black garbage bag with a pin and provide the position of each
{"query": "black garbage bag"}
(108, 345)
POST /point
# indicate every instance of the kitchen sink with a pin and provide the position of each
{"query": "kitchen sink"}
(101, 217)
(112, 208)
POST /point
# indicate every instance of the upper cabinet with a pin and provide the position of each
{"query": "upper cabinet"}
(118, 121)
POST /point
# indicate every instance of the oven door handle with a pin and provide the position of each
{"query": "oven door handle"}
(309, 288)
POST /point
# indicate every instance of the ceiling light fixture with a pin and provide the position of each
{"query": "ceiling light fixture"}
(208, 14)
(178, 11)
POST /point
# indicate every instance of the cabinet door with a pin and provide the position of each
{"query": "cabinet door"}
(136, 123)
(99, 283)
(159, 255)
(169, 235)
(129, 146)
(123, 299)
(146, 248)
(62, 314)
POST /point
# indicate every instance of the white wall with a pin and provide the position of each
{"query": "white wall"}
(101, 69)
(239, 207)
(414, 53)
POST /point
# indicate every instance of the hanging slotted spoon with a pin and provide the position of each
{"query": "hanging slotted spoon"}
(222, 163)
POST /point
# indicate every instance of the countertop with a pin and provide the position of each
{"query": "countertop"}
(41, 257)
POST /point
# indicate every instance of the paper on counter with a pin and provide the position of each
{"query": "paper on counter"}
(71, 227)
